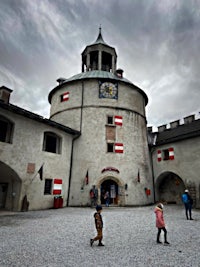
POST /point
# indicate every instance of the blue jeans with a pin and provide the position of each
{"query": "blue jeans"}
(188, 210)
(107, 202)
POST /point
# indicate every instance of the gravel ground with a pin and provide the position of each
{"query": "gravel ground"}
(61, 237)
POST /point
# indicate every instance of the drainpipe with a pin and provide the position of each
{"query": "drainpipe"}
(152, 168)
(72, 150)
(70, 170)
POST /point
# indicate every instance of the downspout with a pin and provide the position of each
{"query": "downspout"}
(152, 168)
(72, 149)
(71, 164)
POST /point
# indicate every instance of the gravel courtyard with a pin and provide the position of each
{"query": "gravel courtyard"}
(60, 237)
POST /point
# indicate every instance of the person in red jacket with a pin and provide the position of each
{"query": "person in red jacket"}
(160, 223)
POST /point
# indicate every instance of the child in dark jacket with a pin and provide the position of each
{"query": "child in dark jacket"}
(160, 223)
(99, 226)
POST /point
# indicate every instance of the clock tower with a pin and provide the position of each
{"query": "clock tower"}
(109, 111)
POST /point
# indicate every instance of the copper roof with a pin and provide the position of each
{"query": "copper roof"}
(96, 74)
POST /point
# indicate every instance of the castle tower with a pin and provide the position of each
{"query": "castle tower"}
(112, 152)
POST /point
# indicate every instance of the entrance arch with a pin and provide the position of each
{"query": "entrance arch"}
(169, 188)
(10, 185)
(115, 187)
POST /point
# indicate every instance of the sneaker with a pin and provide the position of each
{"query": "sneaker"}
(91, 242)
(166, 243)
(101, 245)
(158, 242)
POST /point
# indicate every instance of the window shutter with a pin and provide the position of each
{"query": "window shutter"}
(159, 155)
(171, 153)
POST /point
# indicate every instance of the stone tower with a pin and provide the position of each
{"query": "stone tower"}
(112, 152)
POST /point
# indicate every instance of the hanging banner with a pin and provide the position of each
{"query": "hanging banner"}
(112, 191)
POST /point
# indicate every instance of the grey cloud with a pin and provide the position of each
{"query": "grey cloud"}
(157, 44)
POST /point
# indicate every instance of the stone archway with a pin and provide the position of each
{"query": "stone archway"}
(10, 185)
(115, 188)
(169, 188)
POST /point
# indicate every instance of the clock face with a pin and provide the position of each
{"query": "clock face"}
(108, 90)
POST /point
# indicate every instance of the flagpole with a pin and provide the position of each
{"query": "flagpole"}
(25, 202)
(36, 174)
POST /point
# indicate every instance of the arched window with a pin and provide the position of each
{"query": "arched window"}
(6, 130)
(52, 143)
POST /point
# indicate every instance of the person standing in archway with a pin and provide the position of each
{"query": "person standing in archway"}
(107, 198)
(188, 202)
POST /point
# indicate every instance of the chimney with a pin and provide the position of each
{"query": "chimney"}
(5, 94)
(189, 119)
(61, 80)
(174, 124)
(162, 128)
(119, 73)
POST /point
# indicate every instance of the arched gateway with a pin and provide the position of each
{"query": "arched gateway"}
(10, 185)
(169, 187)
(115, 188)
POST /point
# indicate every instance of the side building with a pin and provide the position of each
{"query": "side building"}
(175, 158)
(35, 157)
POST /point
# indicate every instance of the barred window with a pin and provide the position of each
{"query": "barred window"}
(110, 147)
(47, 186)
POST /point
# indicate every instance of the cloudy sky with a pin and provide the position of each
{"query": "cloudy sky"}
(157, 42)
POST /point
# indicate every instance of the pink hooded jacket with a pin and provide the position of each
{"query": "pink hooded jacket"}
(159, 217)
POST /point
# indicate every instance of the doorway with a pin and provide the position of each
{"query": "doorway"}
(112, 188)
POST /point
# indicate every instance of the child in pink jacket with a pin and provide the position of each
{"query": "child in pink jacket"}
(160, 223)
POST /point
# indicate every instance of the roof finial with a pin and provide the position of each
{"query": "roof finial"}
(100, 38)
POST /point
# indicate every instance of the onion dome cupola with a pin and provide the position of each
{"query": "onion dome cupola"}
(99, 56)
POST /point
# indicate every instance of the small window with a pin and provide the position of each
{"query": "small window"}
(47, 186)
(6, 130)
(110, 120)
(110, 147)
(166, 154)
(52, 143)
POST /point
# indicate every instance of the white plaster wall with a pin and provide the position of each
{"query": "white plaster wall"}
(27, 148)
(90, 149)
(69, 112)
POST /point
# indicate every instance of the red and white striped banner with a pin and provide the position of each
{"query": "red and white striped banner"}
(159, 155)
(118, 120)
(57, 187)
(171, 153)
(65, 97)
(119, 148)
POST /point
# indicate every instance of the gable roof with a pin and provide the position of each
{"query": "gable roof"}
(33, 116)
(179, 133)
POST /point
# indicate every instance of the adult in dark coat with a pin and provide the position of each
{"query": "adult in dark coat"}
(188, 202)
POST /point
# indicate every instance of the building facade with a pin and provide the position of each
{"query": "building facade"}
(96, 138)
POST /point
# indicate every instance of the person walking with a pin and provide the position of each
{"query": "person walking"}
(160, 224)
(99, 226)
(188, 202)
(107, 198)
